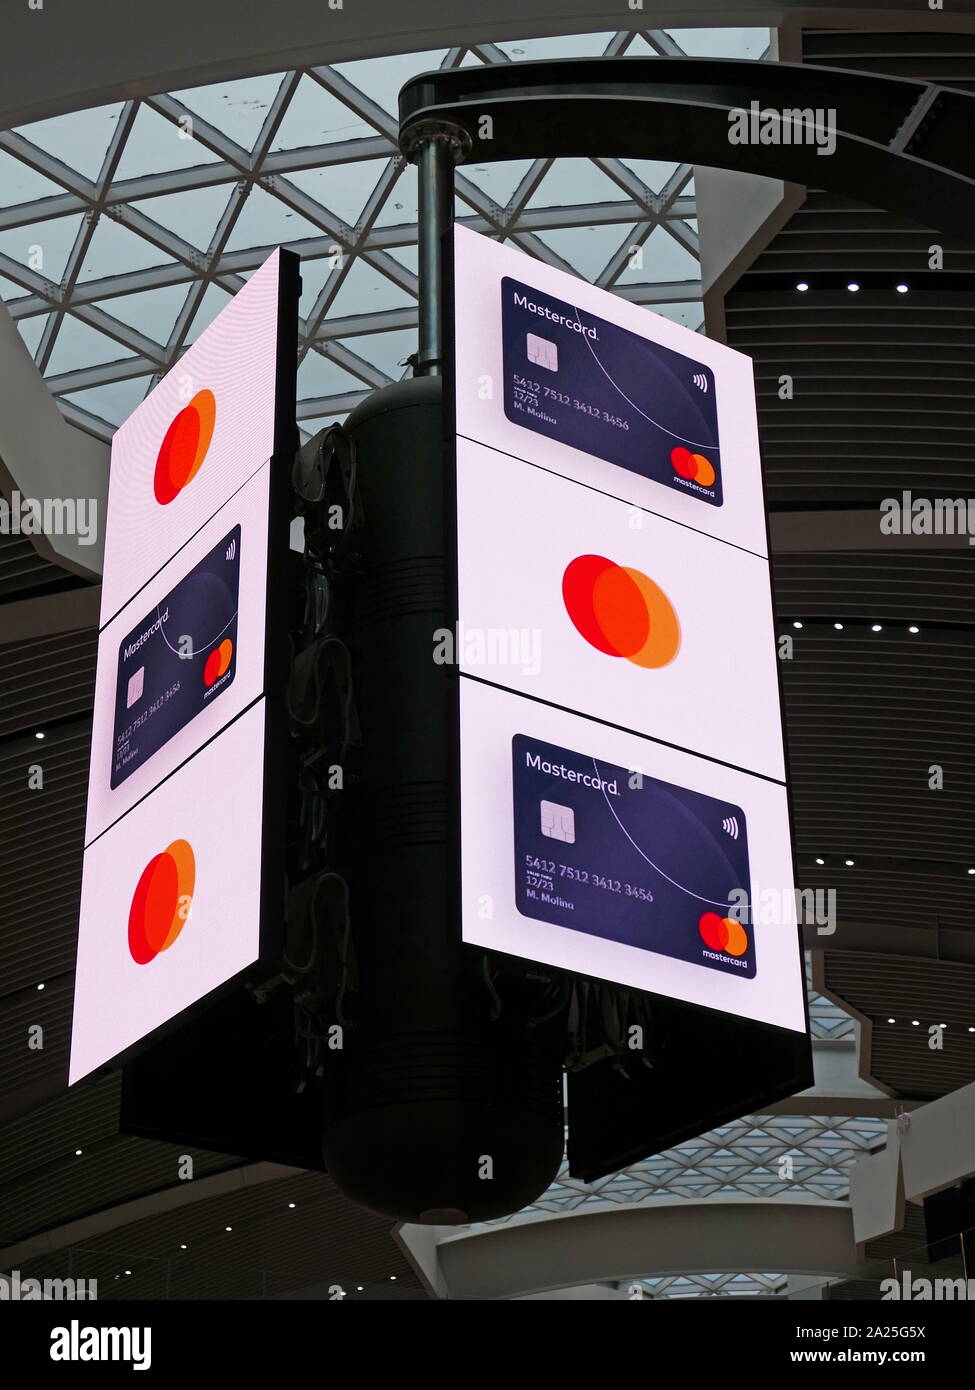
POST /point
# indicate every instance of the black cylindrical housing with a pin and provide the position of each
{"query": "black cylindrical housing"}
(434, 1109)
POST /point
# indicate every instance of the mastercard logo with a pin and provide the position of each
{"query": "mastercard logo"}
(218, 662)
(695, 467)
(620, 611)
(161, 902)
(723, 934)
(184, 447)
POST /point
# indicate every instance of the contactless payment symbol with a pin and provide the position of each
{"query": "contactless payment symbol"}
(184, 447)
(620, 611)
(161, 902)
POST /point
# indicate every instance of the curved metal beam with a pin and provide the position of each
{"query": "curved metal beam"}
(900, 144)
(69, 57)
(681, 1237)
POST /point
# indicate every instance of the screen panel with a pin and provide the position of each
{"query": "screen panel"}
(624, 810)
(183, 874)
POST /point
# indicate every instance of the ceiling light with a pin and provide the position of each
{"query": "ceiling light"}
(41, 986)
(915, 1022)
(182, 1247)
(902, 289)
(38, 735)
(971, 871)
(291, 1206)
(820, 861)
(128, 1271)
(797, 623)
(971, 1030)
(913, 628)
(892, 1020)
(393, 1277)
(77, 1153)
(802, 286)
(848, 863)
(228, 1228)
(876, 628)
(853, 287)
(838, 626)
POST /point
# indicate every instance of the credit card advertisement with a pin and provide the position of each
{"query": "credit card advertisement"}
(626, 856)
(580, 381)
(589, 383)
(593, 850)
(182, 659)
(178, 659)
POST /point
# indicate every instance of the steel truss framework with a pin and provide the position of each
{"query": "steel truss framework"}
(331, 248)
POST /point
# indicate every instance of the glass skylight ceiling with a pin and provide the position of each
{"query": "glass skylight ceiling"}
(125, 228)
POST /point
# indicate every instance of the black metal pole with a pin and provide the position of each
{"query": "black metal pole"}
(435, 147)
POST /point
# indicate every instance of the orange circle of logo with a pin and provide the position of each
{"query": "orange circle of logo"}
(161, 901)
(184, 447)
(696, 468)
(620, 611)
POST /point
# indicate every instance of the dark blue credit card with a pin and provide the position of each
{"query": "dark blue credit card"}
(598, 387)
(621, 855)
(182, 656)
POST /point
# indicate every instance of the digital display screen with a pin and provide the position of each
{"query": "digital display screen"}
(628, 857)
(616, 612)
(662, 859)
(624, 814)
(178, 659)
(169, 897)
(181, 838)
(588, 383)
(183, 658)
(571, 378)
(203, 431)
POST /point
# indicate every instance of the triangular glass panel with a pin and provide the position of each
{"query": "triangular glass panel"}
(78, 345)
(31, 331)
(153, 312)
(640, 48)
(721, 43)
(663, 259)
(113, 250)
(386, 351)
(237, 109)
(266, 221)
(318, 376)
(563, 46)
(193, 214)
(343, 189)
(155, 145)
(587, 249)
(572, 181)
(9, 289)
(400, 207)
(499, 181)
(80, 139)
(113, 402)
(22, 184)
(366, 291)
(316, 117)
(43, 247)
